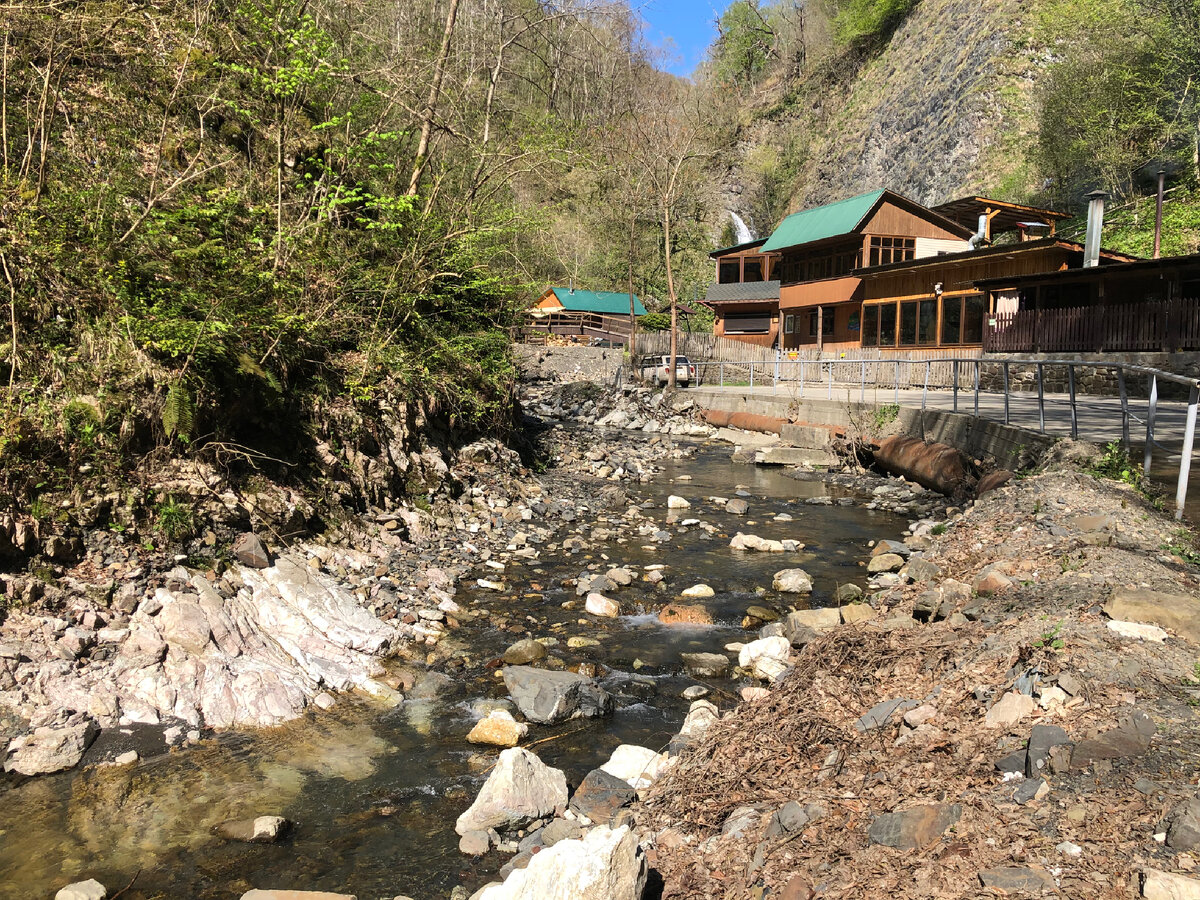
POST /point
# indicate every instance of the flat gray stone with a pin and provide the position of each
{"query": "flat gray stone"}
(881, 713)
(1131, 737)
(548, 697)
(909, 829)
(1012, 879)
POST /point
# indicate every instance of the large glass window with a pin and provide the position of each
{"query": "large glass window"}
(952, 320)
(730, 271)
(753, 270)
(748, 323)
(973, 319)
(908, 324)
(887, 325)
(927, 324)
(870, 328)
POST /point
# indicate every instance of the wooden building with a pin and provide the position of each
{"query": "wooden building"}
(581, 314)
(822, 249)
(934, 303)
(1122, 305)
(745, 294)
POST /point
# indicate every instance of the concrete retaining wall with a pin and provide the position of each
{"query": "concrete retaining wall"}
(1011, 447)
(568, 363)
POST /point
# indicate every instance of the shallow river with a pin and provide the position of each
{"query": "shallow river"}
(374, 792)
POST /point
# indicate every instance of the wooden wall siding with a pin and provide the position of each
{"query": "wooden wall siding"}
(961, 274)
(1157, 325)
(819, 293)
(890, 219)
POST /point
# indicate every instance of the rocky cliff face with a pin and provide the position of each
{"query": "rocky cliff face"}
(943, 110)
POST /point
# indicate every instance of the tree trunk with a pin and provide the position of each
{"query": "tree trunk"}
(435, 90)
(671, 383)
(632, 309)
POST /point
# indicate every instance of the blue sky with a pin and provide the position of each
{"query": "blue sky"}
(685, 26)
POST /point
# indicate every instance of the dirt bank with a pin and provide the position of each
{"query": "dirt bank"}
(988, 729)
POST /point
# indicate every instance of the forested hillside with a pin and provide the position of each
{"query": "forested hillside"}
(224, 218)
(227, 223)
(1037, 101)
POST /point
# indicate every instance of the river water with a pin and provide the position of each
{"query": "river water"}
(375, 792)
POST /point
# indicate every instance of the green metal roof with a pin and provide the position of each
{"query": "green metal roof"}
(611, 303)
(822, 222)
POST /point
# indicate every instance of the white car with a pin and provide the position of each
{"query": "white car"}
(658, 370)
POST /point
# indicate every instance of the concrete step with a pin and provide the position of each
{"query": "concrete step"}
(813, 437)
(794, 456)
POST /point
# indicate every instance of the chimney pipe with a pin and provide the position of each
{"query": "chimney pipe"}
(977, 238)
(1095, 225)
(1162, 176)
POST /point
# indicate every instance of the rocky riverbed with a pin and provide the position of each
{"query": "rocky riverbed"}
(640, 621)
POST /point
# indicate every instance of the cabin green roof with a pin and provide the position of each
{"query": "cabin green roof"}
(822, 222)
(609, 303)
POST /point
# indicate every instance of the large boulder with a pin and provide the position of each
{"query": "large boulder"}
(606, 864)
(499, 729)
(705, 665)
(83, 890)
(549, 697)
(50, 749)
(600, 795)
(184, 625)
(249, 550)
(520, 789)
(1175, 612)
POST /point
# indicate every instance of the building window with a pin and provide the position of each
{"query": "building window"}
(826, 323)
(887, 325)
(852, 322)
(870, 328)
(908, 324)
(753, 270)
(927, 322)
(885, 250)
(729, 272)
(952, 320)
(747, 323)
(789, 324)
(973, 319)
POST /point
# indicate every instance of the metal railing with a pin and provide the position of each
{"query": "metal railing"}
(933, 374)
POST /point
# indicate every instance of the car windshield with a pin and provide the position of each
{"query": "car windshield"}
(682, 361)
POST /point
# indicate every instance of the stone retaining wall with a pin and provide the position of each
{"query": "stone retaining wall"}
(1100, 380)
(568, 363)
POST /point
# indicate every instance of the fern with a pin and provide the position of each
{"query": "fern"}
(179, 412)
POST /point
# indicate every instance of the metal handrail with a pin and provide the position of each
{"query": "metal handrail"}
(773, 369)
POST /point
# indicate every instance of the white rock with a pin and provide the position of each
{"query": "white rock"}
(83, 890)
(606, 864)
(1166, 886)
(489, 585)
(1052, 698)
(676, 502)
(1138, 631)
(700, 715)
(698, 592)
(766, 657)
(599, 605)
(1066, 848)
(1011, 709)
(520, 789)
(792, 581)
(637, 766)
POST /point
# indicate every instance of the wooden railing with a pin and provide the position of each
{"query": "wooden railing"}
(1154, 325)
(535, 329)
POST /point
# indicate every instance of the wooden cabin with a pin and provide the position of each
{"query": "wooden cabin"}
(934, 303)
(745, 294)
(580, 314)
(822, 249)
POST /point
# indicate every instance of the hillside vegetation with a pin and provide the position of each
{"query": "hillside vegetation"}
(1037, 101)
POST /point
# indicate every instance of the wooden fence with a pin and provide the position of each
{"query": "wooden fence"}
(1155, 325)
(536, 329)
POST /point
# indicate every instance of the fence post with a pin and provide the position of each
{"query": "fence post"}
(801, 376)
(1005, 392)
(862, 388)
(977, 368)
(955, 391)
(775, 387)
(925, 391)
(721, 373)
(897, 382)
(831, 379)
(1124, 409)
(1185, 464)
(752, 375)
(1041, 399)
(1074, 412)
(1153, 408)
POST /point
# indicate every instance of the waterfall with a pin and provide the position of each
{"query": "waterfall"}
(743, 233)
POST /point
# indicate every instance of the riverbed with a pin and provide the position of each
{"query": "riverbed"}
(374, 792)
